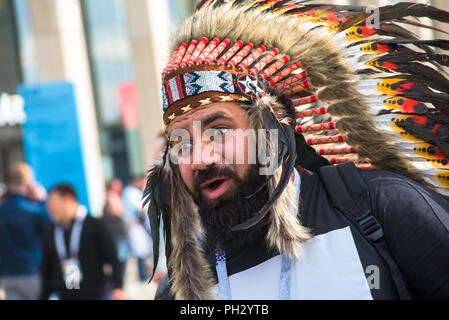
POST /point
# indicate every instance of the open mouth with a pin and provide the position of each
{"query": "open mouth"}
(216, 187)
(216, 184)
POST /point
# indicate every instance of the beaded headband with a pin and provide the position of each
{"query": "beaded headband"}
(206, 72)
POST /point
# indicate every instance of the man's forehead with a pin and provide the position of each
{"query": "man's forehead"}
(228, 110)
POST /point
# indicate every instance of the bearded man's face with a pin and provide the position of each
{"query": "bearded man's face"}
(223, 180)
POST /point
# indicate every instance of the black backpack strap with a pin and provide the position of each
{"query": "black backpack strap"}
(350, 195)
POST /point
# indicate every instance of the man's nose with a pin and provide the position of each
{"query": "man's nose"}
(204, 156)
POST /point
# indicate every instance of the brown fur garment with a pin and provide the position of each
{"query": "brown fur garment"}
(285, 233)
(191, 278)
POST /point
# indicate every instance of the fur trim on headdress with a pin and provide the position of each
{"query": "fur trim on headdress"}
(285, 233)
(191, 278)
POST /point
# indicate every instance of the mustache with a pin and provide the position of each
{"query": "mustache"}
(212, 172)
(219, 216)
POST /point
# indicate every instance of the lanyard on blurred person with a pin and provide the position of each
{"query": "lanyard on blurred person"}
(74, 238)
(70, 264)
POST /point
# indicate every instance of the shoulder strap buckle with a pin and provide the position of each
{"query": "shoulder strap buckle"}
(370, 227)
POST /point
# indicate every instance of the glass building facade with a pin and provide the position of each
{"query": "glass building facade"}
(111, 67)
(10, 69)
(10, 77)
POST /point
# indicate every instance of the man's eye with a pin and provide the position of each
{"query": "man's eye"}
(184, 149)
(220, 132)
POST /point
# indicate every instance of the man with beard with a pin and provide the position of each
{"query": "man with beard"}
(218, 216)
(306, 229)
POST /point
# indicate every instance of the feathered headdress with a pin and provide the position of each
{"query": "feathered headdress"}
(365, 90)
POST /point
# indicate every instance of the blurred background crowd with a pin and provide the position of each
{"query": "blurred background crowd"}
(77, 80)
(80, 125)
(113, 250)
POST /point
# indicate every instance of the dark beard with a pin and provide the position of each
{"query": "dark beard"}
(219, 216)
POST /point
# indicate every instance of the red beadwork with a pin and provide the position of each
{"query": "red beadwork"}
(264, 61)
(274, 67)
(179, 55)
(253, 56)
(291, 81)
(231, 51)
(170, 63)
(336, 150)
(297, 88)
(188, 54)
(316, 127)
(339, 160)
(325, 140)
(312, 112)
(303, 101)
(196, 53)
(240, 55)
(284, 73)
(206, 52)
(217, 51)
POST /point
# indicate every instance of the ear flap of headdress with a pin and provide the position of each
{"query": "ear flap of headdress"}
(155, 196)
(287, 158)
(285, 232)
(191, 277)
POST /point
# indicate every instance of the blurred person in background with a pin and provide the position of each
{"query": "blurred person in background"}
(132, 199)
(113, 218)
(23, 220)
(138, 224)
(77, 250)
(158, 154)
(139, 227)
